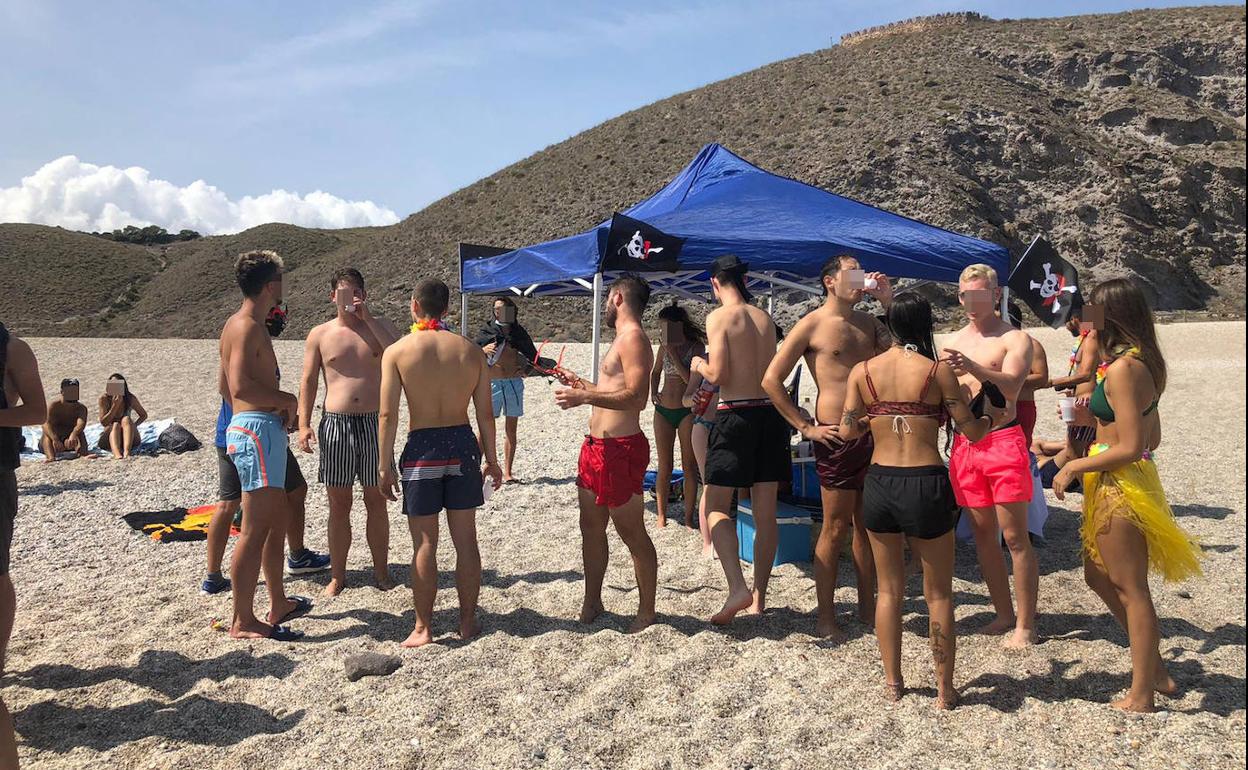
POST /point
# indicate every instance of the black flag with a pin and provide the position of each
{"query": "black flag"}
(1047, 283)
(635, 245)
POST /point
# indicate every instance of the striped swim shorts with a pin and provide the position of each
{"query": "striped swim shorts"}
(441, 468)
(349, 449)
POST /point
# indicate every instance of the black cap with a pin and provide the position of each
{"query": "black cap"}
(65, 383)
(731, 265)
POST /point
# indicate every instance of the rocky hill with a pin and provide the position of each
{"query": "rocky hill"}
(1121, 138)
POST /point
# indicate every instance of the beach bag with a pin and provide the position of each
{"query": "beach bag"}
(177, 439)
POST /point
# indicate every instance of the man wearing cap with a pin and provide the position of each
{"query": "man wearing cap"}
(749, 445)
(67, 423)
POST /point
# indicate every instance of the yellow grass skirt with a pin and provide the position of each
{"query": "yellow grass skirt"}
(1133, 492)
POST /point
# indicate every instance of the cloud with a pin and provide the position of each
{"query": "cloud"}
(83, 196)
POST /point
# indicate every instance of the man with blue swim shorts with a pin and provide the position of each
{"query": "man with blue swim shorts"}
(257, 445)
(510, 353)
(441, 463)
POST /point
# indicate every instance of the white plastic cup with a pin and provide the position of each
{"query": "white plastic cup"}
(870, 283)
(1067, 405)
(487, 489)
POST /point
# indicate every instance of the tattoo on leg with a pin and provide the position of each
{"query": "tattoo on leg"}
(938, 643)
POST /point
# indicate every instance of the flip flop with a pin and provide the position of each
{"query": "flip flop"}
(303, 605)
(285, 634)
(513, 481)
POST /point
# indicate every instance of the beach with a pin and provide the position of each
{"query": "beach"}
(115, 662)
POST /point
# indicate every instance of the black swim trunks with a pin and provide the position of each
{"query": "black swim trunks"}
(914, 501)
(748, 445)
(8, 515)
(441, 468)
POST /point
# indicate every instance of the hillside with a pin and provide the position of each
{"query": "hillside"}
(1119, 137)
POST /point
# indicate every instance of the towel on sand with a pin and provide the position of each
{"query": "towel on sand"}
(176, 525)
(149, 431)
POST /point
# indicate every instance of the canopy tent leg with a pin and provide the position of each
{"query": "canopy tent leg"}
(463, 314)
(1005, 304)
(771, 300)
(597, 324)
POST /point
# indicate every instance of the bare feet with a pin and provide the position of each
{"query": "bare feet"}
(1134, 705)
(382, 579)
(469, 628)
(335, 587)
(708, 553)
(894, 691)
(590, 612)
(758, 606)
(1163, 683)
(866, 614)
(1021, 639)
(256, 630)
(946, 700)
(418, 638)
(998, 626)
(826, 628)
(662, 520)
(641, 623)
(737, 602)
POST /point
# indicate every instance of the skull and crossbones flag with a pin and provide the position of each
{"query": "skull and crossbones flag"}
(635, 245)
(1047, 283)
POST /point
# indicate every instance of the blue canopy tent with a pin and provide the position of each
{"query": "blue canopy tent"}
(720, 204)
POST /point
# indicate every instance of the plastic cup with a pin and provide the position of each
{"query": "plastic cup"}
(487, 489)
(870, 283)
(1067, 406)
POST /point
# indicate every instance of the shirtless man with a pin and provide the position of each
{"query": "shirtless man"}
(21, 403)
(615, 454)
(439, 373)
(348, 350)
(749, 445)
(66, 425)
(832, 340)
(1037, 378)
(992, 477)
(507, 346)
(258, 446)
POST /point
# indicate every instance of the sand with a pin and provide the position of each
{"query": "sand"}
(114, 662)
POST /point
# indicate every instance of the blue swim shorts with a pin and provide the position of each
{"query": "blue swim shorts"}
(257, 445)
(441, 468)
(508, 397)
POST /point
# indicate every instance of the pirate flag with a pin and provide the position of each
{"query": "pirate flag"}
(635, 245)
(1047, 283)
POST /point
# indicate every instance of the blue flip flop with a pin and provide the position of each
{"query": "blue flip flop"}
(303, 605)
(285, 634)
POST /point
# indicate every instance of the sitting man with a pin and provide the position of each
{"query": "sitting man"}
(67, 423)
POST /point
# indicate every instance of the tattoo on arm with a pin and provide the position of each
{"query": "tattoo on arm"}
(850, 417)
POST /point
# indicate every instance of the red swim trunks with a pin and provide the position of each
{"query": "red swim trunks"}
(1026, 416)
(613, 468)
(996, 469)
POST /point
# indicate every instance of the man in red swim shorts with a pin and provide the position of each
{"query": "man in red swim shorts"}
(992, 477)
(615, 454)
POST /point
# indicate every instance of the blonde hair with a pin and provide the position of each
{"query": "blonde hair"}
(254, 269)
(979, 272)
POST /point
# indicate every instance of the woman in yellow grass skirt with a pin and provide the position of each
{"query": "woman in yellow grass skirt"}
(1128, 526)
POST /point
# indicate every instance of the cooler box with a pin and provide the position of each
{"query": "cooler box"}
(677, 490)
(806, 480)
(794, 525)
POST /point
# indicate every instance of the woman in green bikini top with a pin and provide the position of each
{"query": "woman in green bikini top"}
(682, 339)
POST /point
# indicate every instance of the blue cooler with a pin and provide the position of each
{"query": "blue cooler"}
(806, 480)
(794, 525)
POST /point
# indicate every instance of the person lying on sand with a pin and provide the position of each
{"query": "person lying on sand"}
(439, 373)
(833, 339)
(258, 445)
(64, 430)
(614, 456)
(749, 447)
(347, 349)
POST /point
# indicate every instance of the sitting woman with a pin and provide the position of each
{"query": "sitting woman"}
(904, 395)
(682, 340)
(1128, 526)
(120, 414)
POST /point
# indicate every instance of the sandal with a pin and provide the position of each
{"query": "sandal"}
(285, 634)
(303, 605)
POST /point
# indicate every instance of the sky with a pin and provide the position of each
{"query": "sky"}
(222, 115)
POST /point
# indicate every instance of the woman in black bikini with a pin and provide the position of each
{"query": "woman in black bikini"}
(672, 419)
(903, 396)
(120, 415)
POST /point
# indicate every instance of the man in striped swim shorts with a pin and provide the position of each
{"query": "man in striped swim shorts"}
(347, 350)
